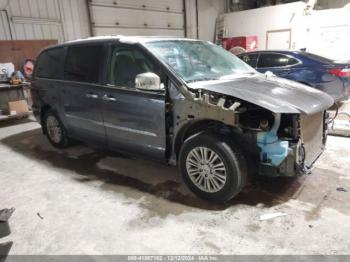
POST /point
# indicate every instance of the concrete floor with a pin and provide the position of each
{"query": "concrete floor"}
(80, 201)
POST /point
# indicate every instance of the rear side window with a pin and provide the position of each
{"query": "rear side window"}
(50, 64)
(83, 63)
(250, 59)
(273, 60)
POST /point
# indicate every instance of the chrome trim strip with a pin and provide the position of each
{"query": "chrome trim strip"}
(132, 130)
(122, 128)
(84, 119)
(69, 81)
(109, 86)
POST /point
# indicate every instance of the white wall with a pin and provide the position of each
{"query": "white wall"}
(208, 12)
(324, 32)
(329, 33)
(258, 21)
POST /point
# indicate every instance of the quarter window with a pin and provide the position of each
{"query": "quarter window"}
(50, 64)
(292, 61)
(83, 63)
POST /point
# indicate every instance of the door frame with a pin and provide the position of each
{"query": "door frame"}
(278, 31)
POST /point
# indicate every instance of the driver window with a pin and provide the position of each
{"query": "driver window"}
(126, 64)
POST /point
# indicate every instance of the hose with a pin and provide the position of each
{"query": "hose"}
(331, 120)
(337, 113)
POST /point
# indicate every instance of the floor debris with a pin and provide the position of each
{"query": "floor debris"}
(271, 216)
(341, 189)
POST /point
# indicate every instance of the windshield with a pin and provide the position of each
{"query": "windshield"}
(199, 61)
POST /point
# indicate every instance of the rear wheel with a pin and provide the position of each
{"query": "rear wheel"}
(213, 168)
(54, 130)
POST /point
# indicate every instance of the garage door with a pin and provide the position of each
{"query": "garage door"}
(135, 17)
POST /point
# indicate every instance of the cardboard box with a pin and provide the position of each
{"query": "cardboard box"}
(20, 107)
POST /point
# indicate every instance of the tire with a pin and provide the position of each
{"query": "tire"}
(224, 159)
(54, 130)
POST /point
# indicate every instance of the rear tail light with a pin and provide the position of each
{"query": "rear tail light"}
(340, 72)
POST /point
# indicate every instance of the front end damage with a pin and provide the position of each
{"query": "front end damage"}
(278, 144)
(292, 146)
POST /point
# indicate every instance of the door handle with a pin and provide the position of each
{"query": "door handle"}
(109, 98)
(91, 95)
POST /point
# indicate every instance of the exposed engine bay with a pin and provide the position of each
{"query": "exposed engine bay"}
(274, 139)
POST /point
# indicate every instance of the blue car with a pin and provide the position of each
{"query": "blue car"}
(319, 72)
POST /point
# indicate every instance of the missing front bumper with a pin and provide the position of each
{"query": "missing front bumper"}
(289, 167)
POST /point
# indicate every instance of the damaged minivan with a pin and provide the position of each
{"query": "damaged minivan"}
(184, 102)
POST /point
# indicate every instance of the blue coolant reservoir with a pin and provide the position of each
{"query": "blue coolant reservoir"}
(273, 150)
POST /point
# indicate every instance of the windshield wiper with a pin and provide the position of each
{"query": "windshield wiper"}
(201, 79)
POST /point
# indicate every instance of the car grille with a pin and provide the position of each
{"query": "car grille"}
(311, 127)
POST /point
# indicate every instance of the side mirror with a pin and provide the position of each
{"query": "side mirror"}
(148, 81)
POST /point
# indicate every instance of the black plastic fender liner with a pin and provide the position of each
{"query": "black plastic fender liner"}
(5, 214)
(4, 229)
(4, 250)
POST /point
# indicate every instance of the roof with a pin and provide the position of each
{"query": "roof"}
(122, 39)
(125, 38)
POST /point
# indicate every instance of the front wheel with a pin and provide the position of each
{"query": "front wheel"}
(213, 168)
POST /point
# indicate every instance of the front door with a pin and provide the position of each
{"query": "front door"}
(134, 120)
(81, 92)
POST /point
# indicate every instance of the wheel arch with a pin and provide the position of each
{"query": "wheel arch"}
(194, 127)
(45, 108)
